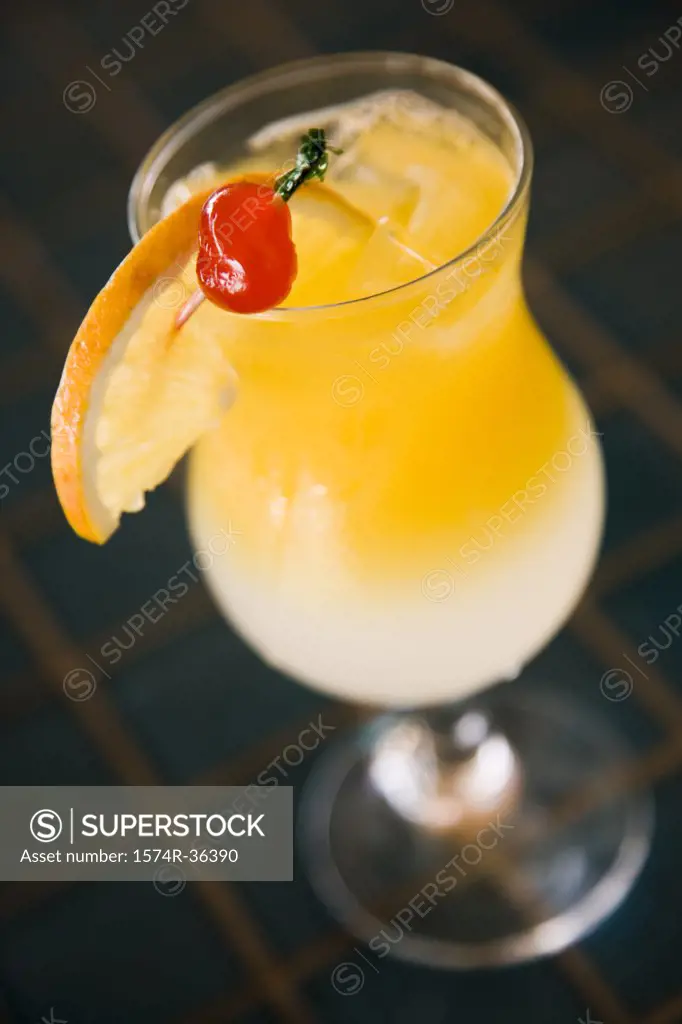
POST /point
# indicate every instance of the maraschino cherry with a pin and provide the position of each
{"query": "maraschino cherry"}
(247, 258)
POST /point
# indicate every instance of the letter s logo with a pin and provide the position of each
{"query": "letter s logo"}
(45, 826)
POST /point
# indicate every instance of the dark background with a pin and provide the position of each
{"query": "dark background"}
(189, 702)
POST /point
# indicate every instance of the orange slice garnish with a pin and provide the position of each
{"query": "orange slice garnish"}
(128, 375)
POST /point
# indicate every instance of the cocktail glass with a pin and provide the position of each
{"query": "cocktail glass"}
(418, 490)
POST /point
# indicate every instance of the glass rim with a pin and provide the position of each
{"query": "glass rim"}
(307, 69)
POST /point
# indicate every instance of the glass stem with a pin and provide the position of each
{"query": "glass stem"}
(445, 769)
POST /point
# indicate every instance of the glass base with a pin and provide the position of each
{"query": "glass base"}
(502, 885)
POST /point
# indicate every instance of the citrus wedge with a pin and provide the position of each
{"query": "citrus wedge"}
(130, 399)
(137, 392)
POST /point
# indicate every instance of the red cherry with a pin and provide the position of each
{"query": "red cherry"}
(247, 259)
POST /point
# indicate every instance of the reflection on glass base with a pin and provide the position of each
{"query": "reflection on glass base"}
(521, 880)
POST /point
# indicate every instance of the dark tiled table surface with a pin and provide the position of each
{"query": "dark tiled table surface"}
(189, 702)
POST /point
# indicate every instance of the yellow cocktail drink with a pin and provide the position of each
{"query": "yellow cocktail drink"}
(413, 478)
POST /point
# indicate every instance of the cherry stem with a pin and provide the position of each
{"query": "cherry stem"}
(312, 161)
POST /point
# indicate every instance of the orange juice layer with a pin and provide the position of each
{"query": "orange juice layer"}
(380, 460)
(374, 435)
